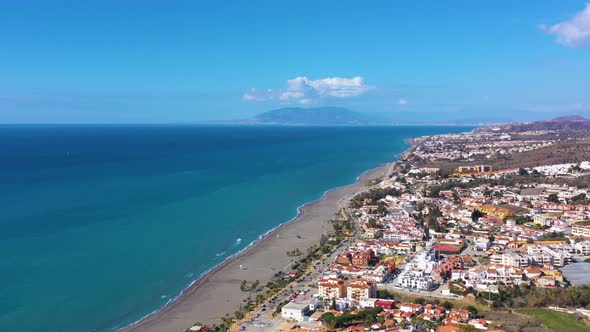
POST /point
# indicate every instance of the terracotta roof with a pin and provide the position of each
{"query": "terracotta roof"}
(448, 328)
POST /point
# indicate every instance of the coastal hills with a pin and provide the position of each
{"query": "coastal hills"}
(567, 123)
(330, 116)
(340, 116)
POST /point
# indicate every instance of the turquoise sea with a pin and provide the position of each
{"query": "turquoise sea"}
(101, 225)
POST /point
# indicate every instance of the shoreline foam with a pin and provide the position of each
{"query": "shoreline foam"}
(156, 320)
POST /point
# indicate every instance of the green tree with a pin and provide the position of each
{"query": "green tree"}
(227, 320)
(323, 239)
(259, 298)
(384, 294)
(579, 199)
(472, 310)
(329, 319)
(519, 219)
(447, 305)
(476, 214)
(553, 198)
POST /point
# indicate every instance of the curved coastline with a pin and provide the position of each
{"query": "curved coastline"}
(196, 303)
(227, 260)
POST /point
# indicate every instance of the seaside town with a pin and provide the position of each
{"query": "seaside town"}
(295, 166)
(487, 230)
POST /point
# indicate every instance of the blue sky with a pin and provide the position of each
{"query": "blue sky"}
(142, 61)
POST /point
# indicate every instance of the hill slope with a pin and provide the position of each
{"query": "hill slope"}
(568, 123)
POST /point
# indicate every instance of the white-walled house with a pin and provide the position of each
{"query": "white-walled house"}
(295, 311)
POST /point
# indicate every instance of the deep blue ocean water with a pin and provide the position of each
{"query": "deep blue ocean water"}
(100, 225)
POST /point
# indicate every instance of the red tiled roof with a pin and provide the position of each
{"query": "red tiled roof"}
(446, 248)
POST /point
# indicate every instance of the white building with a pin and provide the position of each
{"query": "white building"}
(482, 243)
(581, 230)
(367, 303)
(295, 311)
(513, 259)
(343, 304)
(583, 247)
(480, 324)
(544, 219)
(416, 280)
(541, 255)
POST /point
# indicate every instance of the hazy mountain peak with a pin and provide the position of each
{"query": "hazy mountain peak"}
(312, 116)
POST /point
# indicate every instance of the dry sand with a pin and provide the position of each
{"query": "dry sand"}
(218, 293)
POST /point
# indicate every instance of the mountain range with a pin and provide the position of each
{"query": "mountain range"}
(340, 116)
(313, 116)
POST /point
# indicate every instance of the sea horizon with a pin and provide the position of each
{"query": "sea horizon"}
(238, 124)
(286, 155)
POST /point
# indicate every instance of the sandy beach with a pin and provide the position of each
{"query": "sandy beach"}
(218, 292)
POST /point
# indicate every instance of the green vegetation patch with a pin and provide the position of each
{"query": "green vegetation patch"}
(556, 321)
(367, 317)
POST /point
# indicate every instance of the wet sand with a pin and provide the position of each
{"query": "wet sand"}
(218, 293)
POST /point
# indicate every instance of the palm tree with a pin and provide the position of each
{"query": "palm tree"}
(227, 320)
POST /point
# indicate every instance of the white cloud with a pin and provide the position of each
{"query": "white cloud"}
(249, 96)
(291, 95)
(574, 32)
(403, 102)
(306, 91)
(256, 95)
